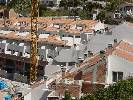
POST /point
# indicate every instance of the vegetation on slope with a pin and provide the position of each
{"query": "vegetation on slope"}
(79, 8)
(122, 90)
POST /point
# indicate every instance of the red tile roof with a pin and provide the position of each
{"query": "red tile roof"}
(123, 54)
(122, 49)
(88, 87)
(126, 46)
(51, 39)
(74, 90)
(49, 21)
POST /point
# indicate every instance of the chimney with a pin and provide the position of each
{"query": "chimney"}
(102, 53)
(75, 45)
(85, 55)
(63, 69)
(115, 40)
(90, 54)
(110, 46)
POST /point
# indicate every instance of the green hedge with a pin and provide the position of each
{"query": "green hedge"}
(122, 90)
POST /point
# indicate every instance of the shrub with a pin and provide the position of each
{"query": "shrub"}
(122, 90)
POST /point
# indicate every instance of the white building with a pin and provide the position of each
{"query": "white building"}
(110, 66)
(120, 63)
(51, 2)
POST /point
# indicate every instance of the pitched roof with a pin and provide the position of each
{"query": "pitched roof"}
(73, 89)
(67, 55)
(50, 40)
(88, 87)
(49, 21)
(122, 49)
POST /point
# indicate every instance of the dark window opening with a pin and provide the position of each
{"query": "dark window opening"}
(77, 36)
(2, 50)
(114, 76)
(120, 75)
(117, 76)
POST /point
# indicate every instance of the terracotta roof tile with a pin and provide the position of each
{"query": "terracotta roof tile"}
(50, 39)
(126, 46)
(74, 90)
(88, 87)
(122, 49)
(123, 54)
(47, 21)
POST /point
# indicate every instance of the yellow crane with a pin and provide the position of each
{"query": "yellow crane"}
(34, 44)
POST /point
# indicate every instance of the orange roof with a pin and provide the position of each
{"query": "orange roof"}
(52, 29)
(123, 54)
(122, 49)
(130, 24)
(87, 30)
(125, 46)
(49, 40)
(48, 21)
(75, 90)
(73, 31)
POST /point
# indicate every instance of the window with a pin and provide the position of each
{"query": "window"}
(131, 74)
(70, 36)
(77, 36)
(114, 76)
(2, 51)
(117, 76)
(120, 75)
(9, 49)
(47, 33)
(13, 51)
(20, 54)
(42, 57)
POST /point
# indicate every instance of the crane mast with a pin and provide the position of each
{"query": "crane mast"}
(34, 44)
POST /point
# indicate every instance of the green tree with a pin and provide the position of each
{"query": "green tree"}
(73, 3)
(113, 5)
(42, 9)
(21, 6)
(122, 90)
(101, 16)
(67, 95)
(64, 3)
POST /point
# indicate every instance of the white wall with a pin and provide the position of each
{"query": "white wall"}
(69, 39)
(79, 27)
(27, 97)
(2, 46)
(57, 2)
(43, 35)
(56, 26)
(54, 1)
(77, 40)
(72, 40)
(98, 26)
(116, 63)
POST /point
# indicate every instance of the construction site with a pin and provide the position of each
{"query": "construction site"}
(22, 54)
(43, 57)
